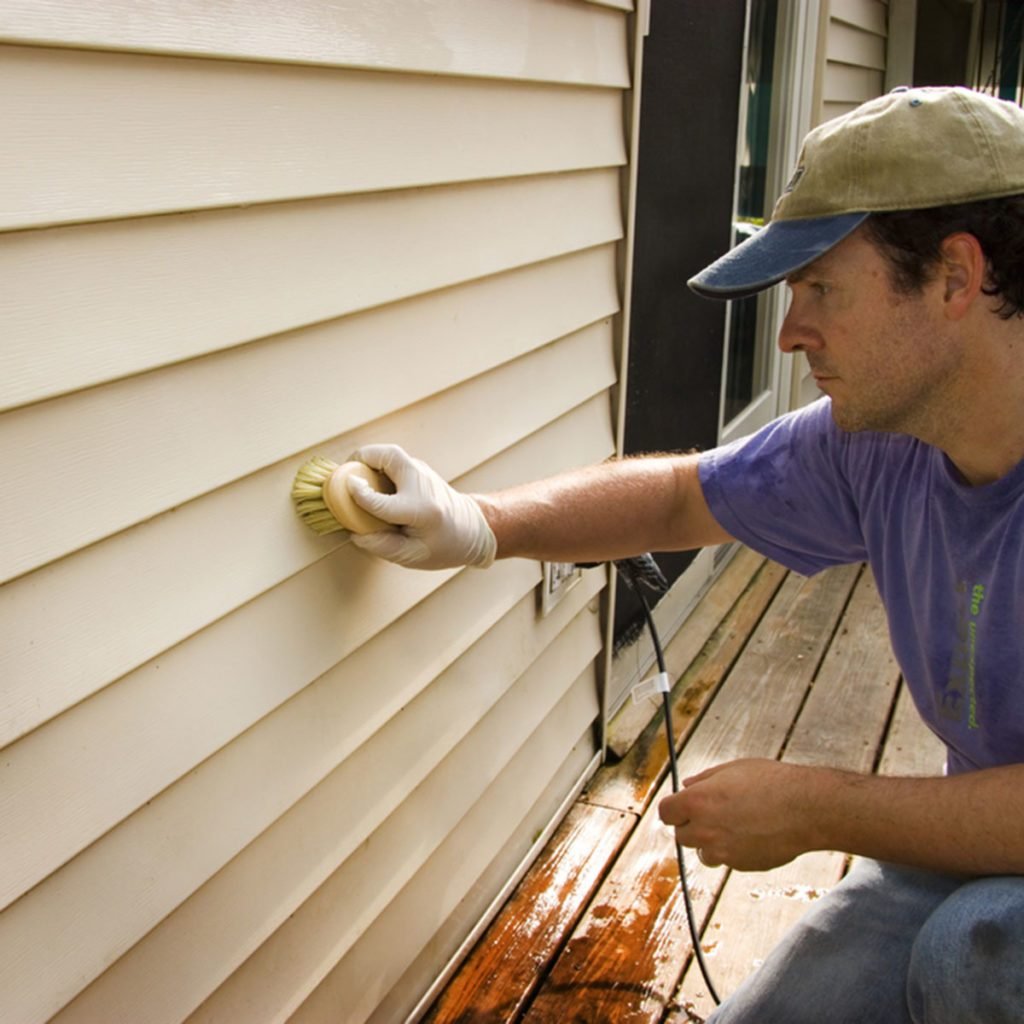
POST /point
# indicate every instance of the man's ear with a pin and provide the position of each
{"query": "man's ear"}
(963, 269)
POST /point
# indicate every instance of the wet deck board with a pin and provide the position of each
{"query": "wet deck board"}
(504, 972)
(795, 668)
(635, 935)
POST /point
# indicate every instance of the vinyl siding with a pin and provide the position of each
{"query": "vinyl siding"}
(854, 53)
(249, 773)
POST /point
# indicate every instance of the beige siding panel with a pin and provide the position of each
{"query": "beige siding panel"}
(853, 42)
(241, 762)
(53, 616)
(98, 302)
(102, 901)
(868, 15)
(581, 437)
(373, 967)
(846, 84)
(176, 966)
(848, 45)
(900, 44)
(205, 802)
(94, 765)
(199, 808)
(302, 952)
(55, 657)
(515, 854)
(91, 136)
(828, 111)
(535, 39)
(264, 402)
(167, 715)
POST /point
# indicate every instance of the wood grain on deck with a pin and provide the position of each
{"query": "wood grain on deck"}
(785, 667)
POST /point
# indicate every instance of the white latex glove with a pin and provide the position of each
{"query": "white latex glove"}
(437, 526)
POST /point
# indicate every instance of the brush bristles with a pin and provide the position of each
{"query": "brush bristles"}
(308, 495)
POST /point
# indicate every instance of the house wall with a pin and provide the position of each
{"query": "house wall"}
(250, 774)
(853, 54)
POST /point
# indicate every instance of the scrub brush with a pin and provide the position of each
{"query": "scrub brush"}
(322, 498)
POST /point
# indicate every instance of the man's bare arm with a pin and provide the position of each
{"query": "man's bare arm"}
(613, 510)
(972, 823)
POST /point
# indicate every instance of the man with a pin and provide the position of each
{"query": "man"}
(901, 238)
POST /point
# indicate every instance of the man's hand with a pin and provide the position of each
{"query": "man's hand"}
(747, 814)
(754, 815)
(437, 527)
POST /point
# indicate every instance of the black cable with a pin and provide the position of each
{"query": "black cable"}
(643, 569)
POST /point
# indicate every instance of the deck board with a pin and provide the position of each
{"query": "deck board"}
(848, 708)
(704, 624)
(526, 936)
(910, 748)
(795, 668)
(635, 932)
(633, 782)
(841, 724)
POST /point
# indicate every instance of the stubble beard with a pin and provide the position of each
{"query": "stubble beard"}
(913, 407)
(910, 396)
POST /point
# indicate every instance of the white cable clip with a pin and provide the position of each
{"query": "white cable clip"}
(649, 687)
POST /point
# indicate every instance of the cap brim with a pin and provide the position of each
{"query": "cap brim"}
(778, 249)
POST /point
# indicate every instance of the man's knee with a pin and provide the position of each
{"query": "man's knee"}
(966, 964)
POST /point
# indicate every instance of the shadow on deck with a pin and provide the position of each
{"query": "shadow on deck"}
(770, 664)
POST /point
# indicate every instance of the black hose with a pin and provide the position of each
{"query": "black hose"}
(635, 571)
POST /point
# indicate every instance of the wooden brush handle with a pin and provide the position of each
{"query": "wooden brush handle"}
(342, 505)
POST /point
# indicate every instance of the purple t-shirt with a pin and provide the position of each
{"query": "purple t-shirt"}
(948, 559)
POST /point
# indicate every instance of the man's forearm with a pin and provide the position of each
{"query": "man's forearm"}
(599, 513)
(971, 823)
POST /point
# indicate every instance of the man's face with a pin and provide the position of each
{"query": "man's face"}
(883, 358)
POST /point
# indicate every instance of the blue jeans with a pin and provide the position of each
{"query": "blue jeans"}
(893, 945)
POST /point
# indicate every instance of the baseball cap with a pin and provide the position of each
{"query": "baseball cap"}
(908, 150)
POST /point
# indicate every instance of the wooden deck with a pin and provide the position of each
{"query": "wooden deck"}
(770, 664)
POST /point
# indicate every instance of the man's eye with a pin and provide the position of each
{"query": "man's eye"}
(821, 288)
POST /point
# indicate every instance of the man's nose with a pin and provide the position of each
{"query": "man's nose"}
(797, 334)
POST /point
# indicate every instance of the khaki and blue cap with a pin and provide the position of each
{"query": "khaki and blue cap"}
(909, 150)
